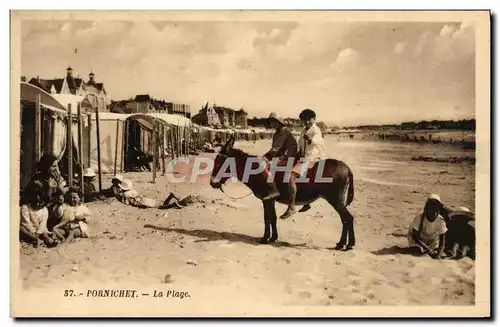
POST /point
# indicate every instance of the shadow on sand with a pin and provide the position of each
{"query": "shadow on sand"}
(397, 250)
(396, 234)
(207, 235)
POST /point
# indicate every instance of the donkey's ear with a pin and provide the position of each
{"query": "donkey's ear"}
(230, 142)
(228, 146)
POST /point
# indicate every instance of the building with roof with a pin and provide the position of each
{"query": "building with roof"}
(219, 116)
(93, 93)
(144, 103)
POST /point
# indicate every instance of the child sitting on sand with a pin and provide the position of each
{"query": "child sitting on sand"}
(427, 231)
(34, 217)
(73, 218)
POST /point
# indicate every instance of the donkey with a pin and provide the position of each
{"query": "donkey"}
(338, 192)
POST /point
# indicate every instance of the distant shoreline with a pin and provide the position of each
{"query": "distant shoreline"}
(463, 139)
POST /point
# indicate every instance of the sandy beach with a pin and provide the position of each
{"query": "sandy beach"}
(211, 248)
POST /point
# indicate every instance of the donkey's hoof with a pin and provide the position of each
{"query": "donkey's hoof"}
(338, 246)
(264, 240)
(349, 248)
(273, 239)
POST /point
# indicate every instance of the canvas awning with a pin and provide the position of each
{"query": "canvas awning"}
(29, 93)
(168, 119)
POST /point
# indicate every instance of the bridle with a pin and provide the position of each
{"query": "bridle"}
(222, 184)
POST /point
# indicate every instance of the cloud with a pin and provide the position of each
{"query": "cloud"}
(399, 48)
(311, 42)
(347, 58)
(262, 66)
(446, 31)
(452, 43)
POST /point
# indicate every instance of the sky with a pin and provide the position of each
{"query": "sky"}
(350, 73)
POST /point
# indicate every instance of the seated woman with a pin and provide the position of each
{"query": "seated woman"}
(73, 218)
(34, 217)
(427, 230)
(49, 176)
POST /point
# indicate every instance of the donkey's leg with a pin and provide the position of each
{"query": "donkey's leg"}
(267, 224)
(350, 226)
(343, 237)
(347, 225)
(337, 205)
(273, 218)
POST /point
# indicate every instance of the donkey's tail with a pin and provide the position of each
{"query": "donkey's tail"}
(350, 191)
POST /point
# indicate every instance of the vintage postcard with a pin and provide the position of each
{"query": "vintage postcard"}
(250, 164)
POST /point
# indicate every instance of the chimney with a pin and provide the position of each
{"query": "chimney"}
(69, 71)
(23, 78)
(91, 77)
(38, 78)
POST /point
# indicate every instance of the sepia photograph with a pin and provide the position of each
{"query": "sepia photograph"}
(250, 164)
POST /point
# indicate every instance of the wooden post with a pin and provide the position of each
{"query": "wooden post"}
(38, 128)
(127, 128)
(154, 149)
(179, 141)
(80, 149)
(89, 141)
(163, 149)
(98, 148)
(123, 146)
(116, 143)
(69, 145)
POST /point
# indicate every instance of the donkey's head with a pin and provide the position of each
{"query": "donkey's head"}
(224, 154)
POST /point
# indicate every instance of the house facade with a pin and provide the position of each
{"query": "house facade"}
(144, 103)
(94, 94)
(218, 116)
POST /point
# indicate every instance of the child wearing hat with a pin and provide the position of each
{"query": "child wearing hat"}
(427, 230)
(114, 190)
(89, 191)
(128, 195)
(461, 236)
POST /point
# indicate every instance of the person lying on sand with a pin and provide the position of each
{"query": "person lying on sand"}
(129, 196)
(174, 202)
(427, 230)
(114, 188)
(73, 218)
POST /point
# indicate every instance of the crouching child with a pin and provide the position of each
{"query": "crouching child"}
(427, 230)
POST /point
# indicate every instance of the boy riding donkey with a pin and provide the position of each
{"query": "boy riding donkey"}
(284, 146)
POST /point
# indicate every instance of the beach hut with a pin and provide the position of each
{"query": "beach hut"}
(44, 130)
(120, 131)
